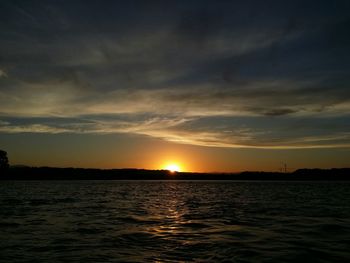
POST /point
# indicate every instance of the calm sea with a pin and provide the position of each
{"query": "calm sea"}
(172, 221)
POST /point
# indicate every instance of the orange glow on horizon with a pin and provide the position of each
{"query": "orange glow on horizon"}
(172, 167)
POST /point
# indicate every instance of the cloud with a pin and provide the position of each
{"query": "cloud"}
(254, 115)
(3, 74)
(252, 132)
(205, 76)
(68, 99)
(35, 128)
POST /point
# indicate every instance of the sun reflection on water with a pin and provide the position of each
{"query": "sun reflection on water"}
(170, 210)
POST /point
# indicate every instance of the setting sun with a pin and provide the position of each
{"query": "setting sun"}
(173, 168)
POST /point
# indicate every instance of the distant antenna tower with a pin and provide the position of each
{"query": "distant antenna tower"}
(285, 168)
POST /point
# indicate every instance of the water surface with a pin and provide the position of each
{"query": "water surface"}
(172, 221)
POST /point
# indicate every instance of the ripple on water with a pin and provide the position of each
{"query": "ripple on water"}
(174, 221)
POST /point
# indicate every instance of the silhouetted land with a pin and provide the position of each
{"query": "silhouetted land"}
(48, 173)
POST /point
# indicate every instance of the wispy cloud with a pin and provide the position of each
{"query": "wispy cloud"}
(205, 76)
(254, 132)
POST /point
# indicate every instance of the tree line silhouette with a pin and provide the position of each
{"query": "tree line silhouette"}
(4, 162)
(51, 173)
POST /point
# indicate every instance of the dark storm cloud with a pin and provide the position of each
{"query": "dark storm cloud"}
(84, 66)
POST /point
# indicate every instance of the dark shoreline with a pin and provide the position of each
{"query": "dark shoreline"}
(50, 173)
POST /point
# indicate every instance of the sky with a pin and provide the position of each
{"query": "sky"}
(209, 85)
